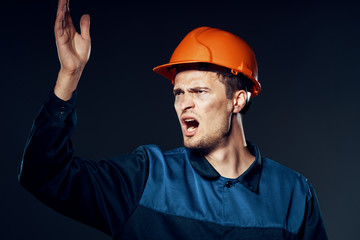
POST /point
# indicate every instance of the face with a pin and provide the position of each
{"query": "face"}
(203, 109)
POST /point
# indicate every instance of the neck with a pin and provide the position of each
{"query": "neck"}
(232, 158)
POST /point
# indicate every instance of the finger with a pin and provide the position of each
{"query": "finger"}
(85, 26)
(68, 19)
(60, 19)
(61, 4)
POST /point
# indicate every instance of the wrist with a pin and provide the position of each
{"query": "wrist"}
(66, 84)
(70, 74)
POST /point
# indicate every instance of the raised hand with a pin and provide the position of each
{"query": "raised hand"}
(73, 49)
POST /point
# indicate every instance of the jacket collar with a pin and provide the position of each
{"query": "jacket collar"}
(250, 178)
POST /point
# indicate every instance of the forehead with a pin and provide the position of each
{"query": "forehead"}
(191, 78)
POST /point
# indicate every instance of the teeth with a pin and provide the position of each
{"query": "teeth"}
(191, 129)
(189, 120)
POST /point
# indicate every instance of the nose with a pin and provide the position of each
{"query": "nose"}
(185, 102)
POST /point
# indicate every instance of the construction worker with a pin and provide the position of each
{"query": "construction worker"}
(217, 186)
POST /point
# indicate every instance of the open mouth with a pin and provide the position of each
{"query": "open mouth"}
(190, 125)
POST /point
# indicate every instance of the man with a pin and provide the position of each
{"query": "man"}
(216, 187)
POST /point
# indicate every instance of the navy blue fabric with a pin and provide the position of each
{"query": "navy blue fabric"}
(149, 194)
(174, 188)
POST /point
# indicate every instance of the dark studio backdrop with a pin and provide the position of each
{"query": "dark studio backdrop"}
(306, 117)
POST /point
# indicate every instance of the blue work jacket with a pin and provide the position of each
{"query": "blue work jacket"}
(151, 194)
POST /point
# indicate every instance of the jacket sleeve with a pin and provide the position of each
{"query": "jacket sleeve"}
(313, 226)
(101, 194)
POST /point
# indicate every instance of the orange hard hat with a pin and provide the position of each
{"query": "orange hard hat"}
(214, 46)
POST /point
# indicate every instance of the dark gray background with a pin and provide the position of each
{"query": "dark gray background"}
(306, 117)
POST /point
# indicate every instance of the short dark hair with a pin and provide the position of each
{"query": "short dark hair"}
(232, 82)
(236, 82)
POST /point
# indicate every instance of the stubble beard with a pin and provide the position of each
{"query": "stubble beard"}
(209, 143)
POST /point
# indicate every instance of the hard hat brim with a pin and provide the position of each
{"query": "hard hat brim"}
(169, 71)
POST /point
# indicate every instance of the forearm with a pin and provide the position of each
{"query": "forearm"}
(50, 171)
(84, 190)
(49, 142)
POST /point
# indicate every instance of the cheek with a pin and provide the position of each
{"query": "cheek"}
(176, 109)
(224, 112)
(218, 107)
(217, 114)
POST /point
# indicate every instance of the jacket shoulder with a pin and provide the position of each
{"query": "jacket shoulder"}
(285, 177)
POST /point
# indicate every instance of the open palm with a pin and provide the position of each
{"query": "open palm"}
(73, 48)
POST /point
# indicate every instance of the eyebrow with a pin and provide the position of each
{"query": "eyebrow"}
(178, 90)
(193, 89)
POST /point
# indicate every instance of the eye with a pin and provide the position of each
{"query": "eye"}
(178, 93)
(200, 92)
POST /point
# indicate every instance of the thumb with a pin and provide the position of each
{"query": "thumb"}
(85, 26)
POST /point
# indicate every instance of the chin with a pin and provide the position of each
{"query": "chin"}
(190, 143)
(202, 146)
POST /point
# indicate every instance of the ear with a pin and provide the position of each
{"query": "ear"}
(239, 100)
